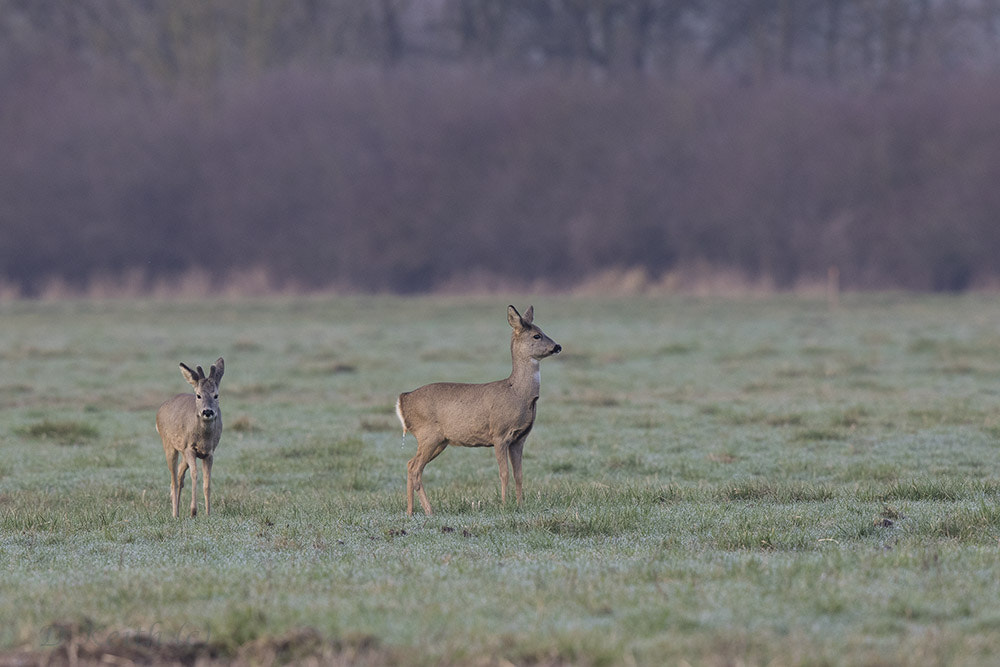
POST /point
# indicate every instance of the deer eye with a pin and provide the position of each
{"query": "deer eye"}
(216, 396)
(537, 336)
(198, 396)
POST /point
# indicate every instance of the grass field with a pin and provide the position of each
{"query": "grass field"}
(708, 480)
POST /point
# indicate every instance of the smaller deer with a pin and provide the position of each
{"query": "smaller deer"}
(190, 425)
(495, 414)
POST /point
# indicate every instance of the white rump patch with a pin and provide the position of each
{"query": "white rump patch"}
(399, 413)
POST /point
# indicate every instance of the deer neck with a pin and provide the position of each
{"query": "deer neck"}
(525, 377)
(207, 429)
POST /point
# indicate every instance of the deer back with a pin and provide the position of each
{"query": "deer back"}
(472, 415)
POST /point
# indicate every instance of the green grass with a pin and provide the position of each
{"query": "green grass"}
(711, 481)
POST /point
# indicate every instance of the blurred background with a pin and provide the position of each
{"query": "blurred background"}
(200, 146)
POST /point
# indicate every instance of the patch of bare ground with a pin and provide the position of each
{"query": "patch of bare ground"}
(299, 647)
(304, 646)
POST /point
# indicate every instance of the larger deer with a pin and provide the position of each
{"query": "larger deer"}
(190, 426)
(495, 414)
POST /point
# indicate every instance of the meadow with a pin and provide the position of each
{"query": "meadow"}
(709, 480)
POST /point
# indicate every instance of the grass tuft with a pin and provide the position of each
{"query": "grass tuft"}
(776, 492)
(239, 624)
(924, 489)
(243, 424)
(587, 523)
(61, 432)
(819, 435)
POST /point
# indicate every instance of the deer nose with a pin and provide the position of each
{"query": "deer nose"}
(557, 349)
(207, 414)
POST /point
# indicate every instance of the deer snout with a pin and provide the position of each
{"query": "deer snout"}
(557, 349)
(208, 414)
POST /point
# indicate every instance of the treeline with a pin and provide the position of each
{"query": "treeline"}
(206, 40)
(338, 164)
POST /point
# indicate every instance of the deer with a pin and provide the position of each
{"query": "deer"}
(496, 414)
(190, 426)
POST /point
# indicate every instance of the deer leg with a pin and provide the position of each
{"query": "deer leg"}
(174, 491)
(182, 468)
(515, 451)
(415, 471)
(191, 461)
(207, 484)
(501, 452)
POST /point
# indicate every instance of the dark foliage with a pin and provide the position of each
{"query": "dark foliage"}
(338, 170)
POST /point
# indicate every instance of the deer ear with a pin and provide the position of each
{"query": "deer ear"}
(190, 375)
(217, 369)
(514, 318)
(529, 316)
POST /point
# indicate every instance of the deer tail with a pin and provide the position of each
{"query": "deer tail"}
(399, 413)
